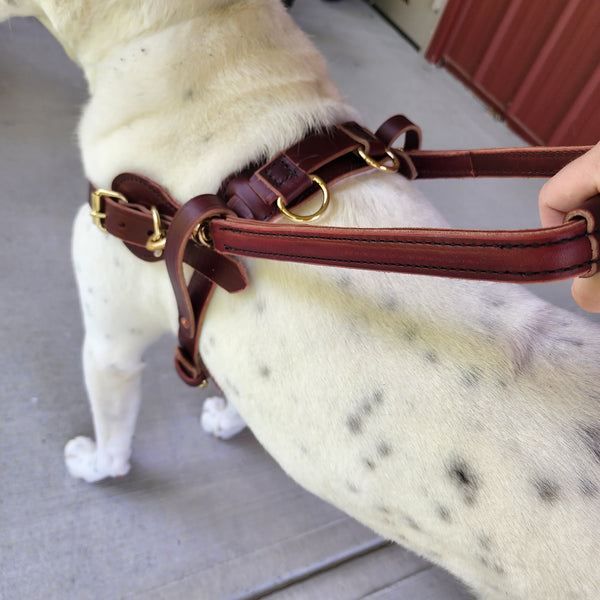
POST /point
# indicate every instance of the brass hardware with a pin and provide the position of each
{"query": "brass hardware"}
(98, 216)
(203, 384)
(307, 218)
(393, 168)
(156, 242)
(202, 235)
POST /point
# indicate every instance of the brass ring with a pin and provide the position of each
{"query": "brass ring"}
(307, 218)
(393, 168)
(202, 235)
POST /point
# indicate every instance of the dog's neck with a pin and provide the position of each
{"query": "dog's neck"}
(191, 103)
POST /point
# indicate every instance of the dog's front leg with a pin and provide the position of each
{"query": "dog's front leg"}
(113, 384)
(126, 305)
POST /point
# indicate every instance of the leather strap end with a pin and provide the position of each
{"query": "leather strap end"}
(590, 212)
(187, 369)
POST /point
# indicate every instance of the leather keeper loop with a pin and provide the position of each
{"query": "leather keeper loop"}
(396, 127)
(283, 178)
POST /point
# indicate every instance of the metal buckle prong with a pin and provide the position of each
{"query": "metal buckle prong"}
(96, 200)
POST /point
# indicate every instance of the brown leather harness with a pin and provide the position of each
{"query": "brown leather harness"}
(209, 230)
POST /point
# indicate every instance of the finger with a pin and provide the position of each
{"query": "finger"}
(586, 292)
(571, 186)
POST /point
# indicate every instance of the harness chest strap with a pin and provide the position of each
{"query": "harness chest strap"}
(139, 211)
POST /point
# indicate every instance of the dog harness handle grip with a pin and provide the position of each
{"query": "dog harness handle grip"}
(525, 256)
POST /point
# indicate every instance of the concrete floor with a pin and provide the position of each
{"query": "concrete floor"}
(196, 518)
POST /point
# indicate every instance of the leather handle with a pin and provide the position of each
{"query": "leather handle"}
(525, 256)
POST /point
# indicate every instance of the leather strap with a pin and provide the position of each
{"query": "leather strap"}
(516, 256)
(209, 229)
(210, 270)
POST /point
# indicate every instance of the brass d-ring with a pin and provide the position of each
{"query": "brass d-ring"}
(393, 168)
(307, 218)
(157, 240)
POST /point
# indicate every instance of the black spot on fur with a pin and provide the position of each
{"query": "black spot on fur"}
(411, 523)
(354, 424)
(547, 491)
(465, 479)
(485, 542)
(572, 342)
(260, 305)
(355, 421)
(188, 95)
(369, 463)
(264, 371)
(366, 408)
(590, 434)
(352, 487)
(494, 302)
(378, 397)
(431, 356)
(443, 512)
(411, 333)
(344, 282)
(589, 488)
(492, 565)
(384, 449)
(390, 303)
(471, 377)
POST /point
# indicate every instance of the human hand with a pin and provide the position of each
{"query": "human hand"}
(567, 190)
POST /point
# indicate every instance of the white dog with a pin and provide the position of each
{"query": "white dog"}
(461, 419)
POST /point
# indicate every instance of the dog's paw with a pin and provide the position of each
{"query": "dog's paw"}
(84, 462)
(220, 418)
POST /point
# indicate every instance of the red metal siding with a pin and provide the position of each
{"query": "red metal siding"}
(514, 47)
(477, 26)
(535, 61)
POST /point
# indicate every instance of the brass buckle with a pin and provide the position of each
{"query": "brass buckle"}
(96, 200)
(393, 168)
(157, 240)
(307, 218)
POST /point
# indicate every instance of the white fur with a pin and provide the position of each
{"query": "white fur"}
(460, 419)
